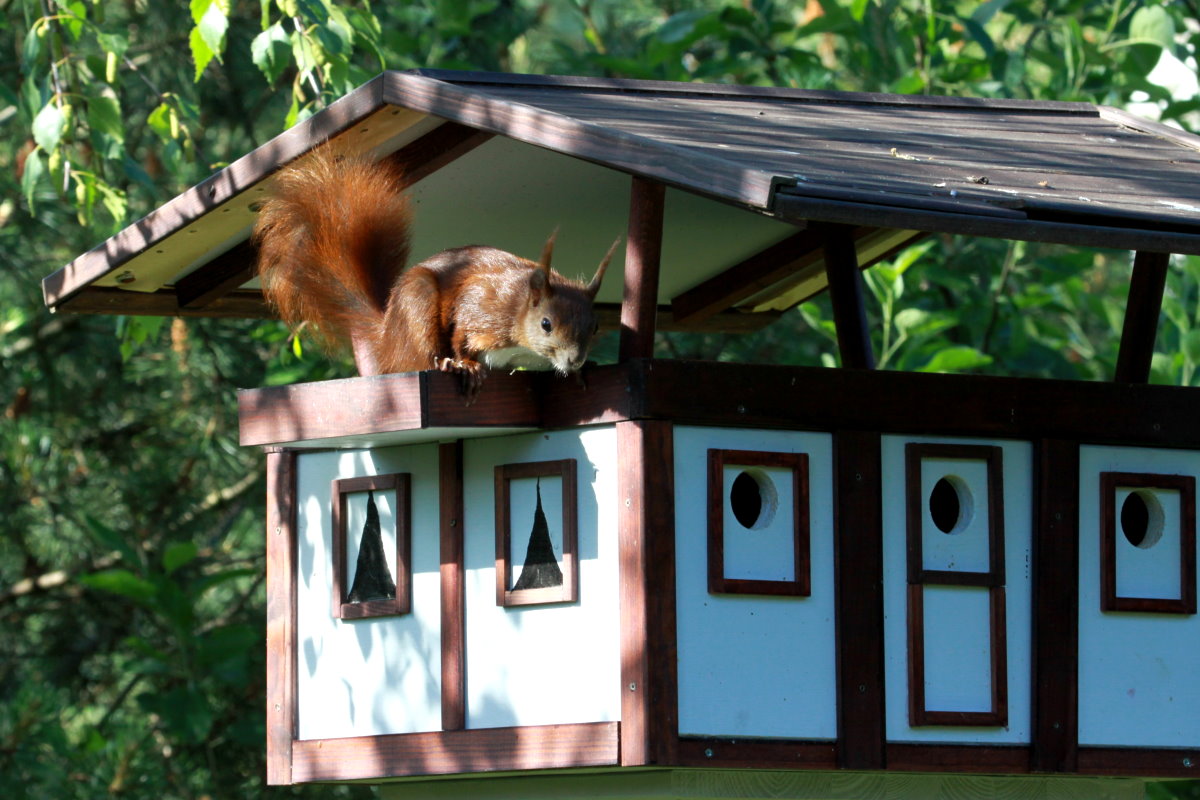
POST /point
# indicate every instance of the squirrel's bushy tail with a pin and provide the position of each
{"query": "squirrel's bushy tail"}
(332, 240)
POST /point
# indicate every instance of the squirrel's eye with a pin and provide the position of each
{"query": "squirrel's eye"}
(546, 326)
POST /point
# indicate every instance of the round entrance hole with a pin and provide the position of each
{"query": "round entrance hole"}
(1142, 519)
(950, 504)
(753, 499)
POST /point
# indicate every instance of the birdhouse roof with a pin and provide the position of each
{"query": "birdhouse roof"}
(752, 173)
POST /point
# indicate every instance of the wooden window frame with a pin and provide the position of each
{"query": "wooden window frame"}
(992, 579)
(399, 482)
(569, 591)
(801, 584)
(1186, 486)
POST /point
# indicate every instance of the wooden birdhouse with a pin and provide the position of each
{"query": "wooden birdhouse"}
(756, 580)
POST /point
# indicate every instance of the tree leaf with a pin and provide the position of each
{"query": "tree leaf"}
(122, 582)
(47, 126)
(954, 359)
(34, 169)
(202, 54)
(1191, 346)
(1153, 25)
(271, 51)
(177, 555)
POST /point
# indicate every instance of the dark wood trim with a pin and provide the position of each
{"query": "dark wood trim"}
(858, 566)
(1101, 232)
(718, 583)
(1142, 310)
(281, 615)
(406, 401)
(915, 403)
(220, 276)
(453, 586)
(632, 86)
(747, 277)
(754, 395)
(643, 256)
(991, 579)
(444, 752)
(919, 714)
(970, 758)
(401, 603)
(1109, 599)
(568, 592)
(914, 454)
(847, 297)
(646, 543)
(1149, 762)
(237, 304)
(720, 753)
(443, 145)
(1055, 679)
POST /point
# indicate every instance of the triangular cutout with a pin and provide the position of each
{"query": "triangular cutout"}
(372, 578)
(541, 568)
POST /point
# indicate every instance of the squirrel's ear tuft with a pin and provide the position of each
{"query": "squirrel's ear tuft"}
(548, 250)
(594, 286)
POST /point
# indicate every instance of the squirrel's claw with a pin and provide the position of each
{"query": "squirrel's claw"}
(471, 372)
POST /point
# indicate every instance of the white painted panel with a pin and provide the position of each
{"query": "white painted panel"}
(965, 547)
(765, 550)
(1018, 511)
(751, 665)
(1150, 568)
(1137, 672)
(371, 676)
(958, 650)
(544, 664)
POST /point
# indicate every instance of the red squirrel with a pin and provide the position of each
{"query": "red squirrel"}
(333, 242)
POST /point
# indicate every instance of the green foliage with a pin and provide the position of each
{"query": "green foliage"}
(131, 548)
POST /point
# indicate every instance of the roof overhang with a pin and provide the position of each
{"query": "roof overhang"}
(752, 175)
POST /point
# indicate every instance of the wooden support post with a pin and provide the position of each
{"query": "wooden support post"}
(858, 565)
(643, 251)
(846, 294)
(450, 515)
(1141, 317)
(646, 541)
(1056, 607)
(281, 614)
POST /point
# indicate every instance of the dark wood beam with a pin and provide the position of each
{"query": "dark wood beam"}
(643, 251)
(798, 255)
(846, 295)
(1141, 317)
(444, 144)
(1056, 607)
(858, 567)
(241, 304)
(451, 538)
(224, 274)
(747, 278)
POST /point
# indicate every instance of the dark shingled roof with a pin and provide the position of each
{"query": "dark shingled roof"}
(502, 159)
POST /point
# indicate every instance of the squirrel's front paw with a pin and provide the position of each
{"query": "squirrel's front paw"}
(472, 372)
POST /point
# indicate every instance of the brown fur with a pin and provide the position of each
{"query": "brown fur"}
(333, 241)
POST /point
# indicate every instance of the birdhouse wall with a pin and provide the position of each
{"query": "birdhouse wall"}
(376, 675)
(1139, 657)
(751, 663)
(550, 661)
